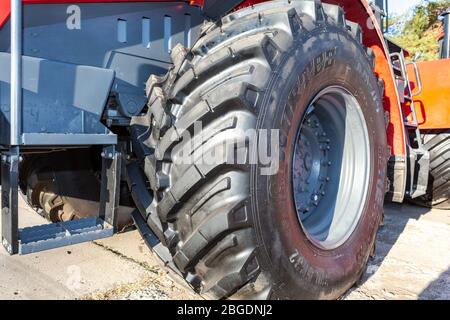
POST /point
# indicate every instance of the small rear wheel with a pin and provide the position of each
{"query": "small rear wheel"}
(438, 190)
(65, 185)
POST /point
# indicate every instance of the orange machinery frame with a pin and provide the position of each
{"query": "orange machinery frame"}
(433, 104)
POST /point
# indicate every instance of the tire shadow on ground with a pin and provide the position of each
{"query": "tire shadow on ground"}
(438, 289)
(396, 217)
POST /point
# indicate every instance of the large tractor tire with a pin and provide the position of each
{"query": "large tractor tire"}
(438, 191)
(305, 231)
(65, 185)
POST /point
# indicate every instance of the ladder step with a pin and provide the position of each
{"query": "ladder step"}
(411, 124)
(55, 235)
(399, 70)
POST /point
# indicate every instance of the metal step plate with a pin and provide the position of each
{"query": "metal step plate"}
(55, 235)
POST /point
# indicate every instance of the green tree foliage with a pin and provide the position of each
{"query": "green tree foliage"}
(418, 30)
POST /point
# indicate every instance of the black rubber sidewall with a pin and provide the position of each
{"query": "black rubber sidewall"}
(298, 268)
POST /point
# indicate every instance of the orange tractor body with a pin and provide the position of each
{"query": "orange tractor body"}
(432, 104)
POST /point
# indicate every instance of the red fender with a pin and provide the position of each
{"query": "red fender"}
(359, 11)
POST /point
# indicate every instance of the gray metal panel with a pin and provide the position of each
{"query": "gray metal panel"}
(58, 97)
(55, 139)
(133, 39)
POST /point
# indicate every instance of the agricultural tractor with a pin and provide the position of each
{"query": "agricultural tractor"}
(252, 143)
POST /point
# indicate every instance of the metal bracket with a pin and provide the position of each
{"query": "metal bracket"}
(112, 161)
(397, 172)
(10, 217)
(381, 11)
(418, 79)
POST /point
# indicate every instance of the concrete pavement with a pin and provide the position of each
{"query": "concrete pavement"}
(90, 270)
(412, 262)
(412, 256)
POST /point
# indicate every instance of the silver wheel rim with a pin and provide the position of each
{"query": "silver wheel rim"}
(331, 168)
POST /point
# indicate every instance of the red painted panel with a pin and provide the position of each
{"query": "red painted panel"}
(5, 10)
(248, 3)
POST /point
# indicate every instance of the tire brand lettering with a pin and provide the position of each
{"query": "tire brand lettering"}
(318, 65)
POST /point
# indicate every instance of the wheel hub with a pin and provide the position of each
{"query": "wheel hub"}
(311, 166)
(331, 167)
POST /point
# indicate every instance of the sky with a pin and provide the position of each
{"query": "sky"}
(401, 6)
